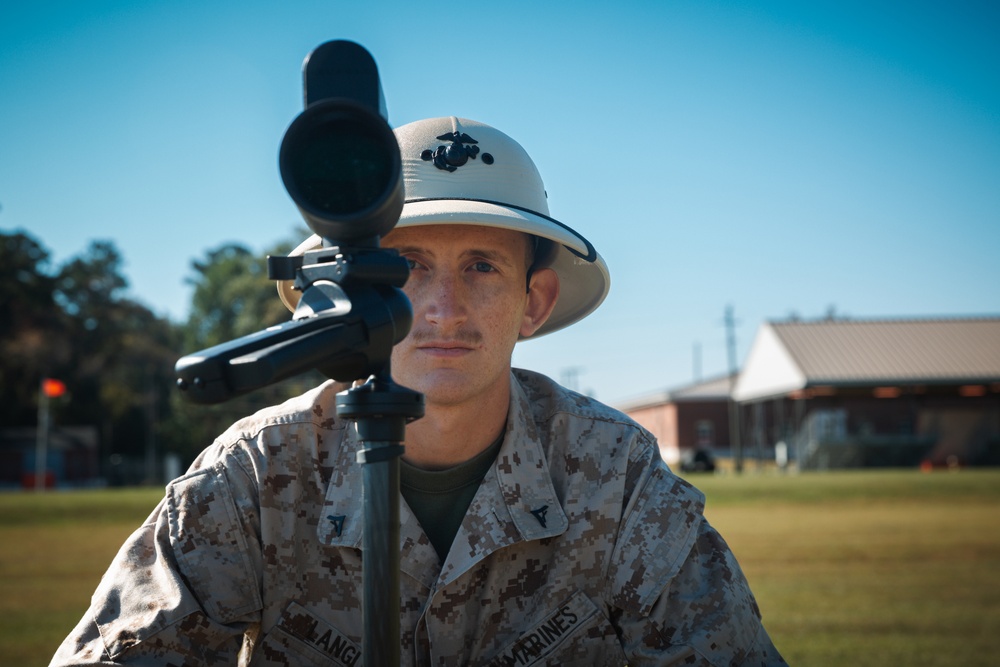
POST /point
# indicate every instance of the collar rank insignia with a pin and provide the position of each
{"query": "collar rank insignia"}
(540, 514)
(338, 522)
(457, 153)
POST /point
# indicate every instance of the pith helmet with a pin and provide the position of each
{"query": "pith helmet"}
(461, 172)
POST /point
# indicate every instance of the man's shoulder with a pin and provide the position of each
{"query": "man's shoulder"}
(548, 398)
(316, 408)
(288, 431)
(572, 425)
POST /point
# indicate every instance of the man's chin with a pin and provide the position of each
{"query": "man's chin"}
(443, 387)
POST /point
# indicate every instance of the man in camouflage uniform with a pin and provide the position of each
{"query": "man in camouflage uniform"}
(538, 526)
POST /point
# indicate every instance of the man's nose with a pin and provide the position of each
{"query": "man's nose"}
(447, 303)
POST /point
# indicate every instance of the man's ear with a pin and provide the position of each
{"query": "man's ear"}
(543, 292)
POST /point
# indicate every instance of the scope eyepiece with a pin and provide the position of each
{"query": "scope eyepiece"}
(340, 164)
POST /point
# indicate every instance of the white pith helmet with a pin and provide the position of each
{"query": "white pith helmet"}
(461, 172)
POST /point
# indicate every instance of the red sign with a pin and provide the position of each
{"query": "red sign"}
(53, 388)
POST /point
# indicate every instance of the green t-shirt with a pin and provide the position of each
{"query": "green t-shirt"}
(440, 498)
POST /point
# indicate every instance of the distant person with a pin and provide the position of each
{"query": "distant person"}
(538, 526)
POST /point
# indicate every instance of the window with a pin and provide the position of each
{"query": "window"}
(704, 433)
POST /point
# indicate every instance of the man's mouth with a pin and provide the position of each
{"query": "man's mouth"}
(452, 346)
(445, 348)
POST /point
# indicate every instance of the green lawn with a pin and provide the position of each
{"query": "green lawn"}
(851, 569)
(53, 549)
(869, 568)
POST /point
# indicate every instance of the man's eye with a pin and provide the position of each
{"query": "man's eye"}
(412, 264)
(483, 267)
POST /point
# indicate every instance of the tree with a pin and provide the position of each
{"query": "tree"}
(25, 286)
(114, 355)
(33, 336)
(89, 287)
(120, 365)
(233, 297)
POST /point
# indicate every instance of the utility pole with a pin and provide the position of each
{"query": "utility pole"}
(42, 441)
(49, 388)
(734, 410)
(570, 377)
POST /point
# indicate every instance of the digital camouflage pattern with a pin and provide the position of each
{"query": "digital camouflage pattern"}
(580, 548)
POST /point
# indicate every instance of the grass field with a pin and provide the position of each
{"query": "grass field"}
(850, 569)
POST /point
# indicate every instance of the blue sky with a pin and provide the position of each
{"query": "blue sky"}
(779, 157)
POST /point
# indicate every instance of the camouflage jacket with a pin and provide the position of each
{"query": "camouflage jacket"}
(580, 548)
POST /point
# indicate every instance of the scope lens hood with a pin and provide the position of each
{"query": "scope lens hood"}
(341, 165)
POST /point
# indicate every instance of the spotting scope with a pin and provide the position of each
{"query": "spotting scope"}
(340, 163)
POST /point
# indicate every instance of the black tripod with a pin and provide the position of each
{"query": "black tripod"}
(350, 315)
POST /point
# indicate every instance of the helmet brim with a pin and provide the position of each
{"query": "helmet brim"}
(584, 279)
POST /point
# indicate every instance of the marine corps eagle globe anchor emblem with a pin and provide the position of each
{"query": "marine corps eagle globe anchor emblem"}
(455, 154)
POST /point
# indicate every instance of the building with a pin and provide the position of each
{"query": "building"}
(840, 393)
(850, 393)
(687, 420)
(71, 456)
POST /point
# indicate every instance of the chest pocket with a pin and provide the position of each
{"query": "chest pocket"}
(301, 638)
(573, 633)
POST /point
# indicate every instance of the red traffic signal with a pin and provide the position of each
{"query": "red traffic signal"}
(53, 388)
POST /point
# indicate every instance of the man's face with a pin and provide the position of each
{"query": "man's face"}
(467, 287)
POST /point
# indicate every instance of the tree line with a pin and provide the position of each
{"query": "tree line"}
(76, 322)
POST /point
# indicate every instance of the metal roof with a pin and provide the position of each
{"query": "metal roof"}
(898, 350)
(713, 389)
(793, 355)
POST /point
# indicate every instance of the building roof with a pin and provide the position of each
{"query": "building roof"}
(787, 356)
(713, 389)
